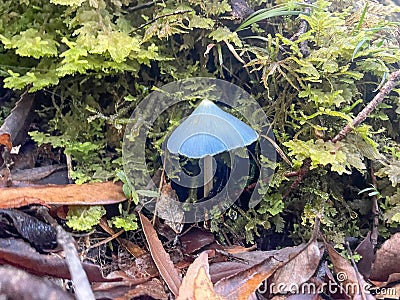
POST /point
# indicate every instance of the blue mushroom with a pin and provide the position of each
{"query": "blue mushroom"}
(208, 131)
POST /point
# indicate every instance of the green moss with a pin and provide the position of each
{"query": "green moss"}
(95, 61)
(83, 218)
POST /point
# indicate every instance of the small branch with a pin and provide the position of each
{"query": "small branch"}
(384, 91)
(278, 149)
(300, 175)
(358, 275)
(292, 174)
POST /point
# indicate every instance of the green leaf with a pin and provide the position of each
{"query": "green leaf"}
(358, 47)
(212, 7)
(362, 16)
(263, 14)
(373, 65)
(273, 204)
(196, 21)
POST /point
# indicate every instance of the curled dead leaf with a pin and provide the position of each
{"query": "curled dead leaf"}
(197, 285)
(386, 256)
(161, 258)
(298, 270)
(350, 282)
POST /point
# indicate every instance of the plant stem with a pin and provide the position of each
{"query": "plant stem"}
(384, 91)
(208, 175)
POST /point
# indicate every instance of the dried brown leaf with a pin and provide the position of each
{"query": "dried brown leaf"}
(394, 277)
(225, 269)
(133, 276)
(161, 258)
(245, 283)
(203, 288)
(153, 289)
(298, 270)
(366, 250)
(195, 239)
(129, 288)
(233, 51)
(168, 208)
(387, 258)
(99, 193)
(351, 283)
(13, 285)
(235, 249)
(255, 257)
(196, 285)
(280, 262)
(19, 254)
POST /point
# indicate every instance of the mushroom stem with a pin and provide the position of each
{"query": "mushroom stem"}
(208, 175)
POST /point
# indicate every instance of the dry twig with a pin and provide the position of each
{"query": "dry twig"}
(384, 91)
(79, 278)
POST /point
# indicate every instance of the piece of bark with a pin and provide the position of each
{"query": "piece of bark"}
(196, 239)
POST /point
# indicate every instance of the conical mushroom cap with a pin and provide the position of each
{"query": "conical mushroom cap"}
(208, 131)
